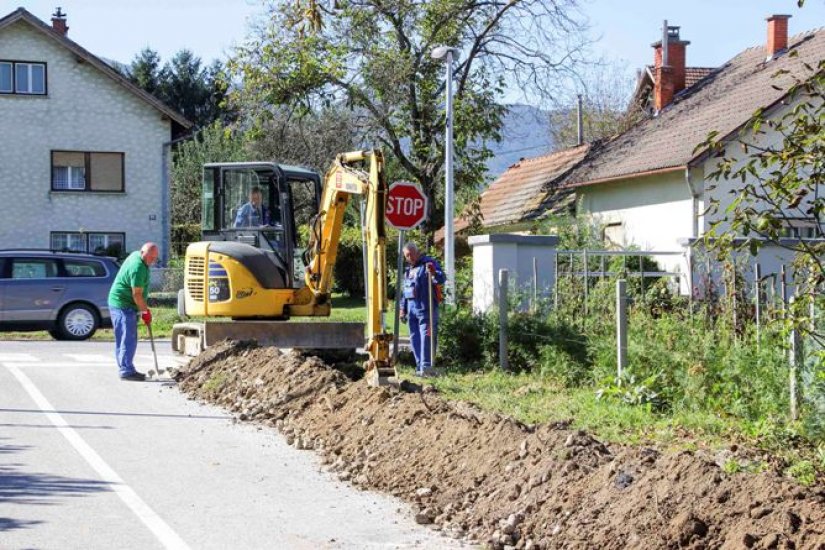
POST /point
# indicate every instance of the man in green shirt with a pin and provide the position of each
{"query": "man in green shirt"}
(127, 298)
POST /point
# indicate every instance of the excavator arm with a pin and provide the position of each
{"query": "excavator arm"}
(355, 173)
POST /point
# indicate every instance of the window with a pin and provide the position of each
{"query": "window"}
(799, 228)
(613, 235)
(33, 268)
(68, 242)
(6, 81)
(107, 244)
(83, 171)
(84, 268)
(22, 77)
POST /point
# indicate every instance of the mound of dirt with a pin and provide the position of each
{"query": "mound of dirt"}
(490, 479)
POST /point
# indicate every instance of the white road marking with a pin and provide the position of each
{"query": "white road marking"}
(18, 357)
(90, 357)
(167, 537)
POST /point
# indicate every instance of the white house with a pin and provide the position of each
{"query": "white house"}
(649, 187)
(82, 149)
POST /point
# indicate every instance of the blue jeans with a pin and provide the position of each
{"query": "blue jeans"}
(124, 322)
(421, 337)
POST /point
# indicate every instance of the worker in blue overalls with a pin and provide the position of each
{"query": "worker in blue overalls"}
(421, 294)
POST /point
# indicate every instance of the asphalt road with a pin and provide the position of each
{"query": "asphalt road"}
(89, 461)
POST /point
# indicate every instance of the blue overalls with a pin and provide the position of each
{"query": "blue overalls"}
(416, 304)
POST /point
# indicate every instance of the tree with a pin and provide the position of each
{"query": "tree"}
(373, 56)
(195, 91)
(780, 161)
(215, 143)
(606, 89)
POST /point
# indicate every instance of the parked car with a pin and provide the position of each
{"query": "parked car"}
(62, 292)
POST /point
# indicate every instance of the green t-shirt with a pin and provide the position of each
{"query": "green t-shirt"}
(133, 274)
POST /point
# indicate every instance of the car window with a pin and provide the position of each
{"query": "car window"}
(33, 268)
(84, 268)
(2, 268)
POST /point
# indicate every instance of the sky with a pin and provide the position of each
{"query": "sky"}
(716, 29)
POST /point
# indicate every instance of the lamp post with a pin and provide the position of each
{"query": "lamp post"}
(448, 55)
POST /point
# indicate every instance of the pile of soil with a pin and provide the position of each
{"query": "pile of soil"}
(492, 480)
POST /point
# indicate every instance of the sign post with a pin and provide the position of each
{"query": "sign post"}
(406, 209)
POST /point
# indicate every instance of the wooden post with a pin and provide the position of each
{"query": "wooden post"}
(585, 278)
(733, 298)
(795, 358)
(535, 285)
(757, 296)
(556, 282)
(621, 329)
(503, 286)
(783, 289)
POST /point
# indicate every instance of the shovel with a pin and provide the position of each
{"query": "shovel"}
(157, 370)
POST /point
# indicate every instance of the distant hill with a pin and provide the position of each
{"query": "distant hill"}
(526, 133)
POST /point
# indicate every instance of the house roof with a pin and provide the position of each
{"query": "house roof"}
(526, 189)
(723, 100)
(21, 14)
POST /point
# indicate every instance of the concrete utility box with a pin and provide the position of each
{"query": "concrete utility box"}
(515, 253)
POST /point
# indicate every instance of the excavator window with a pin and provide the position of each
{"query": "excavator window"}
(304, 208)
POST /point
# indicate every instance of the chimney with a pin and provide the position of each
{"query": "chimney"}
(777, 34)
(59, 22)
(669, 62)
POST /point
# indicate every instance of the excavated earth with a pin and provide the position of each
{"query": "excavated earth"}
(494, 481)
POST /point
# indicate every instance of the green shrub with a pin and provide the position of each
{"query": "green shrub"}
(348, 277)
(463, 338)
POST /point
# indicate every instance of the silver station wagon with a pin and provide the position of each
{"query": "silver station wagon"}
(62, 292)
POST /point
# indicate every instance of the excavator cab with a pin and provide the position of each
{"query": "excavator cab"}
(264, 205)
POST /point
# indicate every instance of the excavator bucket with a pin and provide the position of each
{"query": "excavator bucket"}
(192, 338)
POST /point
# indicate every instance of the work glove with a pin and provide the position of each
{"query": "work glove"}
(147, 317)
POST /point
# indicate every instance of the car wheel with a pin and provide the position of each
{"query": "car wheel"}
(77, 322)
(56, 334)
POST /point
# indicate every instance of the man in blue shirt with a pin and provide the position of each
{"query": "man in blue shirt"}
(253, 213)
(419, 305)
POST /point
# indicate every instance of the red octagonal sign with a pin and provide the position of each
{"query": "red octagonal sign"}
(406, 205)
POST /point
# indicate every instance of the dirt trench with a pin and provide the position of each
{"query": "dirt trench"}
(494, 481)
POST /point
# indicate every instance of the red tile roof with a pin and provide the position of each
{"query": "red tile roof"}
(723, 101)
(524, 190)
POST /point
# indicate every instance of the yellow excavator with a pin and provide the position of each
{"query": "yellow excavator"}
(256, 268)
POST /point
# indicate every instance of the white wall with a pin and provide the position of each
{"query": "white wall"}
(656, 212)
(515, 253)
(83, 111)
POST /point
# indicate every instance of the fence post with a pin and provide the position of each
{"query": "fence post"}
(642, 276)
(585, 277)
(621, 328)
(535, 285)
(733, 299)
(556, 283)
(503, 286)
(795, 356)
(757, 285)
(783, 288)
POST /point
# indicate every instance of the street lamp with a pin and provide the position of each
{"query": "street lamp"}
(448, 55)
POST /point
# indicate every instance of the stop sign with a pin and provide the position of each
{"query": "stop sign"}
(406, 205)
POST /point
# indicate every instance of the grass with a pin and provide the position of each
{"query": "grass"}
(533, 398)
(344, 309)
